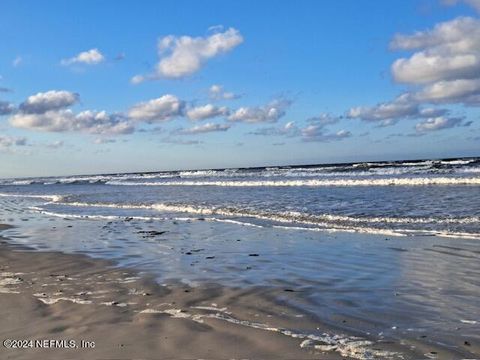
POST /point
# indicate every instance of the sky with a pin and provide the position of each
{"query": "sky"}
(121, 86)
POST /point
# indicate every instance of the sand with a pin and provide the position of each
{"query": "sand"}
(121, 314)
(57, 296)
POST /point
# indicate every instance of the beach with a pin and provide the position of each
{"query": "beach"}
(357, 261)
(49, 295)
(54, 296)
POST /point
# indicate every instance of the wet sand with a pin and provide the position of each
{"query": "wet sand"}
(56, 296)
(49, 295)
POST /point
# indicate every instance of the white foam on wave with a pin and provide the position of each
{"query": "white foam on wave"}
(457, 162)
(51, 301)
(53, 198)
(141, 218)
(333, 229)
(8, 281)
(474, 170)
(347, 346)
(320, 222)
(91, 217)
(341, 171)
(420, 181)
(281, 216)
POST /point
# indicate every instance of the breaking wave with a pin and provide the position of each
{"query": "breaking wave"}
(325, 174)
(325, 222)
(417, 181)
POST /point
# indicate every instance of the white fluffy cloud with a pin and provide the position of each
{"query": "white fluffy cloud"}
(217, 92)
(466, 91)
(271, 112)
(386, 113)
(432, 112)
(206, 112)
(451, 50)
(323, 120)
(314, 131)
(93, 122)
(443, 69)
(446, 62)
(160, 109)
(47, 101)
(89, 57)
(49, 111)
(181, 56)
(424, 68)
(289, 130)
(438, 123)
(389, 113)
(200, 129)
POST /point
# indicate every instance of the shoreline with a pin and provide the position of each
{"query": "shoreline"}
(52, 295)
(58, 296)
(49, 295)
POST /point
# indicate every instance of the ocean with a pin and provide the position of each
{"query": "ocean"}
(403, 197)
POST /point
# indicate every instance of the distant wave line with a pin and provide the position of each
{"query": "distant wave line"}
(315, 182)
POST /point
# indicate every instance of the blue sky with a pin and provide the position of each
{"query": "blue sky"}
(89, 87)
